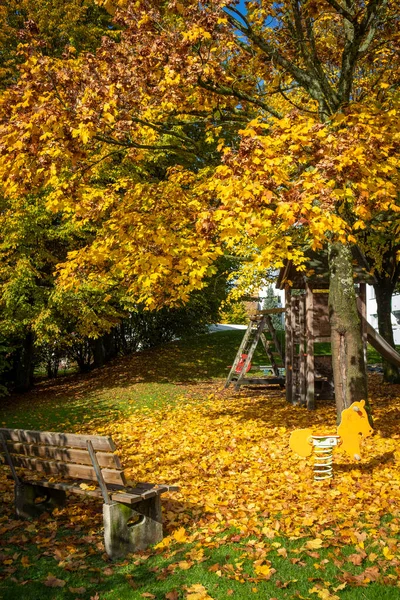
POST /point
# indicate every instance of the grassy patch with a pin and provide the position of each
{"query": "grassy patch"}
(289, 568)
(248, 521)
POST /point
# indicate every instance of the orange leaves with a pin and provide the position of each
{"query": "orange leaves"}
(357, 558)
(363, 579)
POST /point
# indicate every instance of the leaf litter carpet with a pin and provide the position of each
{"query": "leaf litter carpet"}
(241, 484)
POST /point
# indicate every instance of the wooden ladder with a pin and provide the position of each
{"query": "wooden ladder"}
(254, 333)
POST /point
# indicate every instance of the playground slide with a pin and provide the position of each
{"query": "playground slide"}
(382, 346)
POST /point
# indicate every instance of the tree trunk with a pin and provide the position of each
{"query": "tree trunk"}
(349, 368)
(383, 293)
(99, 352)
(53, 364)
(110, 345)
(22, 372)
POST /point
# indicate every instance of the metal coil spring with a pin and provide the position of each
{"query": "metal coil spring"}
(323, 461)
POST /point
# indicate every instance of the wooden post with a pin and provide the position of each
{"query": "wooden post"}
(98, 472)
(8, 459)
(270, 355)
(294, 304)
(272, 331)
(362, 304)
(302, 351)
(288, 344)
(310, 373)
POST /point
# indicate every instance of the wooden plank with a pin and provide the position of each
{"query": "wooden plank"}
(270, 354)
(141, 491)
(65, 470)
(71, 455)
(289, 346)
(271, 311)
(124, 495)
(127, 496)
(262, 380)
(49, 438)
(302, 350)
(293, 351)
(99, 474)
(309, 308)
(8, 460)
(362, 307)
(272, 331)
(321, 322)
(67, 487)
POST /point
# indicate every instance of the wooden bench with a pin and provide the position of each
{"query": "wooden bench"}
(87, 465)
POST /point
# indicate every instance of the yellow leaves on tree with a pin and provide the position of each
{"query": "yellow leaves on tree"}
(200, 132)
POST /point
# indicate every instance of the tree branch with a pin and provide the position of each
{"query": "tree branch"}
(342, 11)
(295, 105)
(325, 97)
(358, 41)
(131, 144)
(225, 91)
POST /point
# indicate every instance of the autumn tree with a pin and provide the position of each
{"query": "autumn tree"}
(53, 25)
(380, 243)
(33, 240)
(275, 126)
(33, 312)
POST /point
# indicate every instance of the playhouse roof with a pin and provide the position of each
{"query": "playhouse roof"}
(317, 272)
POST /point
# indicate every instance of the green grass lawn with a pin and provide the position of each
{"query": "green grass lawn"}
(61, 555)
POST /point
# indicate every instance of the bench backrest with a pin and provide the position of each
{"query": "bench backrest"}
(62, 454)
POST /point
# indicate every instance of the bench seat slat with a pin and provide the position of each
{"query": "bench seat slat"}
(113, 476)
(127, 497)
(100, 443)
(71, 455)
(142, 491)
(67, 487)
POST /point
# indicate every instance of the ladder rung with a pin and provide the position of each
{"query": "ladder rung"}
(260, 328)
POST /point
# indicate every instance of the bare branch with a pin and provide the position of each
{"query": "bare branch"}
(240, 15)
(359, 38)
(225, 91)
(323, 94)
(296, 105)
(346, 14)
(131, 144)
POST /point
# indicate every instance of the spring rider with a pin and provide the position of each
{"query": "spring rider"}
(353, 426)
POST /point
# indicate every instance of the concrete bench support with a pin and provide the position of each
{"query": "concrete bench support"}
(120, 537)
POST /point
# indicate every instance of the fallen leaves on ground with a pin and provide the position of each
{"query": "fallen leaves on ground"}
(241, 484)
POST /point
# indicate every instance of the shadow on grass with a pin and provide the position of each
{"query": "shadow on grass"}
(367, 467)
(270, 407)
(185, 361)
